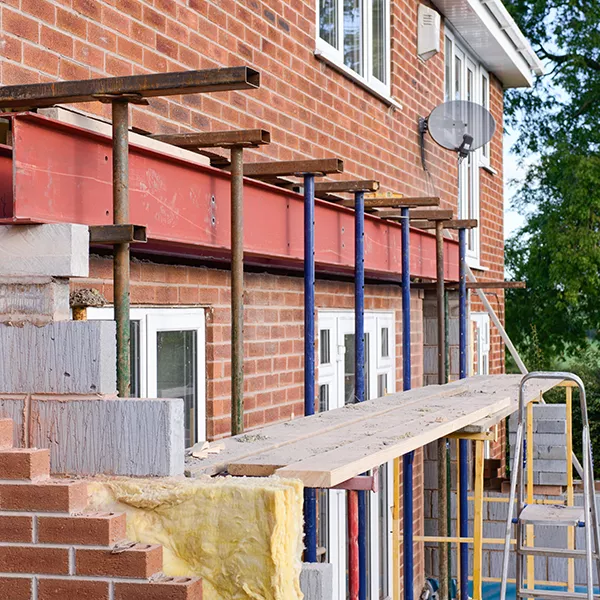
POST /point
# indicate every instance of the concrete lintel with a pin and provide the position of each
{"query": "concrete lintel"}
(68, 357)
(56, 250)
(316, 581)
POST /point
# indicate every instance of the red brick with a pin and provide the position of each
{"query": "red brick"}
(47, 561)
(41, 59)
(24, 463)
(15, 588)
(57, 41)
(6, 433)
(89, 8)
(51, 496)
(74, 23)
(20, 25)
(62, 589)
(141, 561)
(16, 529)
(84, 530)
(177, 588)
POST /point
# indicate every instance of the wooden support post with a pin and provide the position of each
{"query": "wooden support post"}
(478, 523)
(570, 492)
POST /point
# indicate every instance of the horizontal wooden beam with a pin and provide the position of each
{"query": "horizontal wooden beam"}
(368, 185)
(473, 285)
(322, 166)
(453, 224)
(38, 95)
(416, 214)
(117, 234)
(393, 201)
(216, 139)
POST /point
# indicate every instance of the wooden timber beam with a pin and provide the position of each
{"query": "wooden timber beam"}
(393, 201)
(471, 285)
(453, 224)
(323, 166)
(39, 95)
(326, 187)
(433, 215)
(216, 139)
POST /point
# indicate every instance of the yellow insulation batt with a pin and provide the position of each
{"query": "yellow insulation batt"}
(243, 536)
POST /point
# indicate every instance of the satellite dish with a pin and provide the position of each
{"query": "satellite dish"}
(460, 126)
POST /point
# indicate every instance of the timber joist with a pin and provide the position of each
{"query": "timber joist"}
(132, 88)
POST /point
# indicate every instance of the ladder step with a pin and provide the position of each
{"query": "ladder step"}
(525, 593)
(560, 552)
(552, 514)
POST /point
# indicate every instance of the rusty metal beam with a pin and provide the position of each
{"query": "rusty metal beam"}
(117, 234)
(393, 201)
(326, 187)
(216, 139)
(479, 285)
(324, 166)
(38, 95)
(434, 215)
(452, 224)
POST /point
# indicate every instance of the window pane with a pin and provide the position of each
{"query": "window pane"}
(457, 78)
(448, 70)
(328, 22)
(323, 525)
(134, 328)
(485, 104)
(324, 347)
(385, 342)
(177, 358)
(379, 40)
(349, 395)
(384, 528)
(323, 397)
(353, 35)
(381, 385)
(470, 84)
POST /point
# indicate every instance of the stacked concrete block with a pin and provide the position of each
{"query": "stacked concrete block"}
(316, 581)
(430, 342)
(58, 377)
(549, 443)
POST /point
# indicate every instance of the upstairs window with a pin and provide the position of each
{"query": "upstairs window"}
(354, 35)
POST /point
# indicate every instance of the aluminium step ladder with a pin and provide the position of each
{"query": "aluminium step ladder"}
(555, 515)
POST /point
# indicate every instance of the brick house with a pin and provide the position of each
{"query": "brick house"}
(340, 79)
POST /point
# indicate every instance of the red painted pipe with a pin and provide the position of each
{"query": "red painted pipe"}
(352, 499)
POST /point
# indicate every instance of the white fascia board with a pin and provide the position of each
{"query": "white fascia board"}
(494, 37)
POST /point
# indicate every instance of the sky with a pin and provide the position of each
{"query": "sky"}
(512, 171)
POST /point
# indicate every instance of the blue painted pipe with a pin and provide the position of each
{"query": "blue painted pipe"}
(407, 459)
(359, 373)
(463, 444)
(310, 495)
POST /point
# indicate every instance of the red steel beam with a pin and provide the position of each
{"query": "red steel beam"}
(63, 173)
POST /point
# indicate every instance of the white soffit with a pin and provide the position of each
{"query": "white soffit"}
(492, 34)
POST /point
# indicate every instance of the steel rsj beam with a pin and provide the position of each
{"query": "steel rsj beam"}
(39, 95)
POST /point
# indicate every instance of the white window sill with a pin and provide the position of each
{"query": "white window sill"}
(350, 74)
(475, 264)
(488, 168)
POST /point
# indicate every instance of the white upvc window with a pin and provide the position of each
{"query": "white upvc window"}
(168, 359)
(354, 35)
(466, 79)
(336, 389)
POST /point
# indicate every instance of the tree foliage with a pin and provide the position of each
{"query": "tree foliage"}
(557, 252)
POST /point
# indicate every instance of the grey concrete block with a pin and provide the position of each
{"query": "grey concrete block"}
(15, 408)
(430, 359)
(550, 412)
(541, 478)
(129, 436)
(430, 330)
(69, 357)
(557, 569)
(550, 426)
(550, 466)
(316, 581)
(431, 476)
(550, 452)
(35, 300)
(55, 250)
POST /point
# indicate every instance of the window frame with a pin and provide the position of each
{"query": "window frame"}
(155, 319)
(335, 56)
(469, 169)
(339, 323)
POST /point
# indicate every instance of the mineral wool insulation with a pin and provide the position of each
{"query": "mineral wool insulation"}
(243, 536)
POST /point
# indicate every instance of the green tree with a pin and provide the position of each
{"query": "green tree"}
(557, 252)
